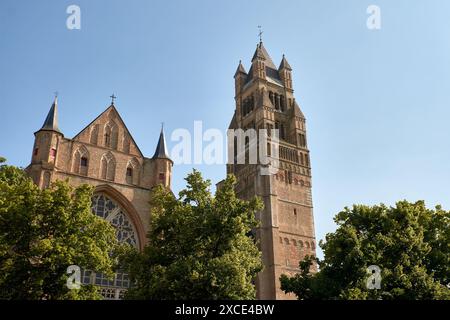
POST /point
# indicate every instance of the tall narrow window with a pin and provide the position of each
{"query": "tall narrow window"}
(107, 140)
(108, 167)
(94, 134)
(282, 132)
(84, 166)
(53, 153)
(111, 135)
(129, 176)
(80, 161)
(104, 168)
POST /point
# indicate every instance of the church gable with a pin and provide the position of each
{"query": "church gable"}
(109, 131)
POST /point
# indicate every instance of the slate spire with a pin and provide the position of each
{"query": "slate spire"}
(161, 149)
(51, 122)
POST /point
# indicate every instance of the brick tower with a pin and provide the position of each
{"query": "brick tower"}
(265, 100)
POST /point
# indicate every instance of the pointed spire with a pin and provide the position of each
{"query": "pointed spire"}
(284, 64)
(51, 122)
(240, 69)
(259, 54)
(262, 54)
(161, 149)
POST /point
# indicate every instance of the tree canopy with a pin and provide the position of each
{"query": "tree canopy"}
(42, 232)
(200, 246)
(409, 243)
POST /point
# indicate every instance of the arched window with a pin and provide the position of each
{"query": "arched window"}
(111, 211)
(81, 161)
(84, 166)
(94, 134)
(282, 132)
(111, 135)
(282, 104)
(132, 172)
(129, 175)
(108, 167)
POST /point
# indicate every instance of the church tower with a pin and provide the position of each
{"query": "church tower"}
(265, 100)
(45, 150)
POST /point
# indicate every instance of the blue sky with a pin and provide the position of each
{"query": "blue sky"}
(376, 102)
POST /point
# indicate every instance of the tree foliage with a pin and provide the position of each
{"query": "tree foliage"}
(410, 243)
(42, 232)
(199, 245)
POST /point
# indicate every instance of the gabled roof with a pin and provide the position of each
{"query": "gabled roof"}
(112, 107)
(51, 122)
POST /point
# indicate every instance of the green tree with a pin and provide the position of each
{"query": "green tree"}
(200, 246)
(410, 244)
(42, 232)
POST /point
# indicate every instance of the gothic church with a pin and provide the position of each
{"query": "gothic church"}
(105, 155)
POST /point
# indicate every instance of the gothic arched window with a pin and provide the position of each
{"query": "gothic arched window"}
(132, 173)
(111, 135)
(282, 104)
(81, 161)
(108, 167)
(108, 209)
(105, 207)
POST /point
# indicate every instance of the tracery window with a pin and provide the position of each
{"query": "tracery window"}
(108, 209)
(111, 211)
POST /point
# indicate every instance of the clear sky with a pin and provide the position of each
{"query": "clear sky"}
(377, 103)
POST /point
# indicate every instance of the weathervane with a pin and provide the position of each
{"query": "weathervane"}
(56, 94)
(113, 97)
(260, 34)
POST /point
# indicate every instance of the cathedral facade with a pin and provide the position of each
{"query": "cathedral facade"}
(105, 155)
